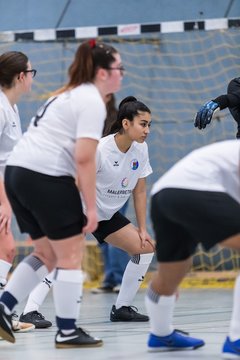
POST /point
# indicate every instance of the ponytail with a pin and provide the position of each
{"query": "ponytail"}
(89, 57)
(111, 114)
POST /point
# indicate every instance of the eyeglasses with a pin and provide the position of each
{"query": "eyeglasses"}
(120, 68)
(32, 71)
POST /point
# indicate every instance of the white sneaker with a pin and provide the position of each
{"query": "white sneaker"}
(18, 326)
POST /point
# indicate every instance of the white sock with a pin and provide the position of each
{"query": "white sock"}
(67, 294)
(132, 278)
(38, 294)
(4, 270)
(24, 278)
(160, 311)
(234, 331)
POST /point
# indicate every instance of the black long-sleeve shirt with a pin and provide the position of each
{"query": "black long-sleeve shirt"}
(232, 101)
(232, 98)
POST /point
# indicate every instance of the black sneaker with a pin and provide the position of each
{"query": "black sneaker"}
(78, 338)
(6, 326)
(36, 318)
(127, 313)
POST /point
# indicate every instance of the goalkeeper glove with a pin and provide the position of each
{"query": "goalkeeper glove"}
(205, 114)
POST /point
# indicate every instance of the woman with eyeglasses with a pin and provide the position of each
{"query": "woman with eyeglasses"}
(59, 146)
(16, 76)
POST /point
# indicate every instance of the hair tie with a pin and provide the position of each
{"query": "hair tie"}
(92, 43)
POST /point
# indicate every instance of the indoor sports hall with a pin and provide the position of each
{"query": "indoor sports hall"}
(177, 56)
(204, 313)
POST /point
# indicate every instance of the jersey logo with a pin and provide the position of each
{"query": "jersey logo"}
(124, 182)
(134, 164)
(14, 124)
(116, 163)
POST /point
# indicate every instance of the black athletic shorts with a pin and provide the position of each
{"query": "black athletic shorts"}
(107, 227)
(44, 205)
(183, 218)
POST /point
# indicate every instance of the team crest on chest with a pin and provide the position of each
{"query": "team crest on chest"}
(124, 182)
(134, 164)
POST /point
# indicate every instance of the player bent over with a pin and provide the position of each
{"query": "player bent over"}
(196, 201)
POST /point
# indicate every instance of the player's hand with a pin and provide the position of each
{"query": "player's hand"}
(146, 238)
(205, 114)
(91, 222)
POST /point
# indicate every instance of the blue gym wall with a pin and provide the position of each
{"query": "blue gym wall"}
(38, 14)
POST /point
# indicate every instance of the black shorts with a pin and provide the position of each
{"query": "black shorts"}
(44, 205)
(107, 227)
(183, 218)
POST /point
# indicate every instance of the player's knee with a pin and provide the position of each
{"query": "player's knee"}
(8, 254)
(11, 255)
(49, 259)
(163, 286)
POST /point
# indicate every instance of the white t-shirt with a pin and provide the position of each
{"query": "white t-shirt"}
(10, 130)
(117, 174)
(49, 147)
(213, 167)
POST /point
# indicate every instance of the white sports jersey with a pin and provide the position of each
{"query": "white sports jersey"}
(211, 168)
(49, 144)
(10, 130)
(118, 173)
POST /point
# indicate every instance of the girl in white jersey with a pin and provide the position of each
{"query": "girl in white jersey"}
(122, 167)
(196, 201)
(115, 260)
(16, 75)
(59, 146)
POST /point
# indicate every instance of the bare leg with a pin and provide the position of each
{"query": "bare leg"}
(34, 267)
(168, 276)
(160, 303)
(7, 253)
(128, 239)
(67, 293)
(232, 343)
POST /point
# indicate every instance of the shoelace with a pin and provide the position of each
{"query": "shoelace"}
(78, 330)
(83, 331)
(38, 315)
(181, 332)
(14, 315)
(132, 308)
